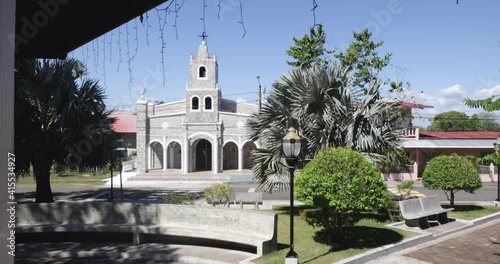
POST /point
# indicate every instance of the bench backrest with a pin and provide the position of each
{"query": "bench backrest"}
(248, 197)
(95, 212)
(431, 203)
(410, 207)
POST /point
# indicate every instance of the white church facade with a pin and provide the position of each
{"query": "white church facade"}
(203, 132)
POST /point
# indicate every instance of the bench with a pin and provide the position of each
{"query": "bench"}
(418, 212)
(244, 230)
(254, 198)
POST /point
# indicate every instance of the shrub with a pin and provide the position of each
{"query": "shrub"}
(341, 184)
(405, 188)
(219, 194)
(451, 174)
(177, 198)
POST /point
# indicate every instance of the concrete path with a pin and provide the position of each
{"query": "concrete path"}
(478, 245)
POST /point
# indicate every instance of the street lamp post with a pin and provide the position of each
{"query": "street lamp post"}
(496, 145)
(260, 92)
(291, 148)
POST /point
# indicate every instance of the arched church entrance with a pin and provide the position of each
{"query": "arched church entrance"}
(156, 154)
(230, 155)
(174, 156)
(203, 155)
(248, 148)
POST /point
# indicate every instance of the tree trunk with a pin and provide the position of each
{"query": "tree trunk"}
(41, 170)
(452, 199)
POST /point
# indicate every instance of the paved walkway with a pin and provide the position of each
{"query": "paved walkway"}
(479, 245)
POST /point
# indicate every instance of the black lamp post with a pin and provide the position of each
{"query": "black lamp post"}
(291, 148)
(496, 145)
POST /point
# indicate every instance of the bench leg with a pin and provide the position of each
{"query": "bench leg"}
(412, 222)
(423, 222)
(442, 218)
(138, 237)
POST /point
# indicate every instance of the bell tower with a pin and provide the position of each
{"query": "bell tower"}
(202, 92)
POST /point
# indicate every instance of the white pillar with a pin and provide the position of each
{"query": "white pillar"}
(215, 157)
(240, 158)
(148, 155)
(7, 51)
(185, 155)
(164, 159)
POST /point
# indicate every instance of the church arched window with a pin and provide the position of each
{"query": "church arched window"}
(195, 103)
(202, 72)
(208, 103)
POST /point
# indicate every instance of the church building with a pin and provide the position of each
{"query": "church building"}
(203, 132)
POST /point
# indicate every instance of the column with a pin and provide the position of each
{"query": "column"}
(215, 157)
(142, 134)
(185, 155)
(7, 51)
(164, 159)
(240, 158)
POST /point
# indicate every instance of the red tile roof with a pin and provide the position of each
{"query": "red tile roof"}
(415, 105)
(125, 122)
(459, 135)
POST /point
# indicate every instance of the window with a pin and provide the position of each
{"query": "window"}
(195, 103)
(208, 103)
(202, 72)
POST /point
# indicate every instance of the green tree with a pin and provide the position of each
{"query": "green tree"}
(452, 121)
(60, 118)
(451, 174)
(310, 49)
(319, 104)
(341, 184)
(455, 121)
(366, 63)
(489, 104)
(486, 122)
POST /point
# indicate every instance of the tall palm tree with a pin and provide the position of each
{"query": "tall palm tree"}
(60, 118)
(326, 111)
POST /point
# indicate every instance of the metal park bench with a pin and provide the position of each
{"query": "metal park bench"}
(418, 212)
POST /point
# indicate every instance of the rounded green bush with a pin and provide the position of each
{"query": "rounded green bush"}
(451, 174)
(343, 180)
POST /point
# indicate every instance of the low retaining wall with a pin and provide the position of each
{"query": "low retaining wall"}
(193, 223)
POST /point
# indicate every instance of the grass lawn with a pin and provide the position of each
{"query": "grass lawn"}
(68, 179)
(469, 212)
(369, 233)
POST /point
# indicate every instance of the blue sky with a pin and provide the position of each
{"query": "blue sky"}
(446, 51)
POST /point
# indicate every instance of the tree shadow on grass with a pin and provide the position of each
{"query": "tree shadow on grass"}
(464, 208)
(359, 237)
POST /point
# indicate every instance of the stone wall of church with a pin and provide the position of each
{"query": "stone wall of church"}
(202, 115)
(169, 108)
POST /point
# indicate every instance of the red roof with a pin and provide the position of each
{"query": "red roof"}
(414, 105)
(125, 122)
(459, 135)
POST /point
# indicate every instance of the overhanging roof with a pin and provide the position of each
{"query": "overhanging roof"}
(449, 143)
(51, 29)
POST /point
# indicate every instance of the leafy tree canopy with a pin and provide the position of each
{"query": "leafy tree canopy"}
(310, 49)
(60, 118)
(451, 174)
(342, 184)
(361, 58)
(455, 121)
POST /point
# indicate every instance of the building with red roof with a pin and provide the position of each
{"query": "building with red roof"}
(125, 126)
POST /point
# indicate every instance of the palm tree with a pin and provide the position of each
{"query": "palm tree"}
(60, 118)
(326, 111)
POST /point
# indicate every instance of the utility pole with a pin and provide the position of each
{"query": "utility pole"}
(260, 92)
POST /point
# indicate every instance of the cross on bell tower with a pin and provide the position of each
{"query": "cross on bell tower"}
(203, 36)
